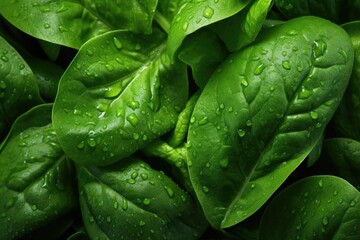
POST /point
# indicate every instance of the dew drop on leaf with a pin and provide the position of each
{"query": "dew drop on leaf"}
(259, 69)
(313, 115)
(205, 189)
(117, 43)
(124, 204)
(286, 65)
(170, 192)
(208, 12)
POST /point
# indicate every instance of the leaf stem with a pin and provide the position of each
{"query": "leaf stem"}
(162, 21)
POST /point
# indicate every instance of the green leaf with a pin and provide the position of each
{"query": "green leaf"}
(347, 117)
(333, 10)
(18, 87)
(71, 23)
(317, 207)
(35, 176)
(48, 75)
(242, 29)
(197, 14)
(120, 92)
(143, 201)
(203, 51)
(343, 155)
(261, 114)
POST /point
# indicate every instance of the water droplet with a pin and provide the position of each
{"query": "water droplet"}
(192, 120)
(185, 26)
(81, 145)
(313, 115)
(224, 163)
(62, 29)
(305, 93)
(244, 82)
(205, 189)
(89, 52)
(292, 32)
(203, 121)
(208, 12)
(170, 192)
(133, 119)
(319, 48)
(116, 205)
(124, 204)
(284, 53)
(144, 176)
(91, 219)
(108, 219)
(131, 181)
(117, 43)
(91, 142)
(134, 175)
(4, 58)
(259, 69)
(136, 136)
(34, 207)
(286, 65)
(352, 203)
(47, 26)
(109, 67)
(142, 223)
(253, 186)
(241, 132)
(248, 123)
(147, 201)
(207, 164)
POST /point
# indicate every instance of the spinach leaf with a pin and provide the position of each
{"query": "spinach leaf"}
(71, 23)
(334, 10)
(261, 114)
(120, 92)
(143, 201)
(242, 29)
(47, 75)
(317, 207)
(18, 87)
(343, 157)
(347, 117)
(35, 176)
(195, 52)
(196, 14)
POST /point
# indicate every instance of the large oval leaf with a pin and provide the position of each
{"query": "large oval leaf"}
(18, 87)
(35, 176)
(120, 92)
(71, 23)
(317, 207)
(142, 201)
(262, 112)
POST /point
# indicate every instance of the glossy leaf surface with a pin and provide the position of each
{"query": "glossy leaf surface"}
(71, 23)
(143, 201)
(262, 112)
(120, 92)
(343, 155)
(35, 176)
(317, 207)
(18, 87)
(196, 14)
(242, 29)
(347, 117)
